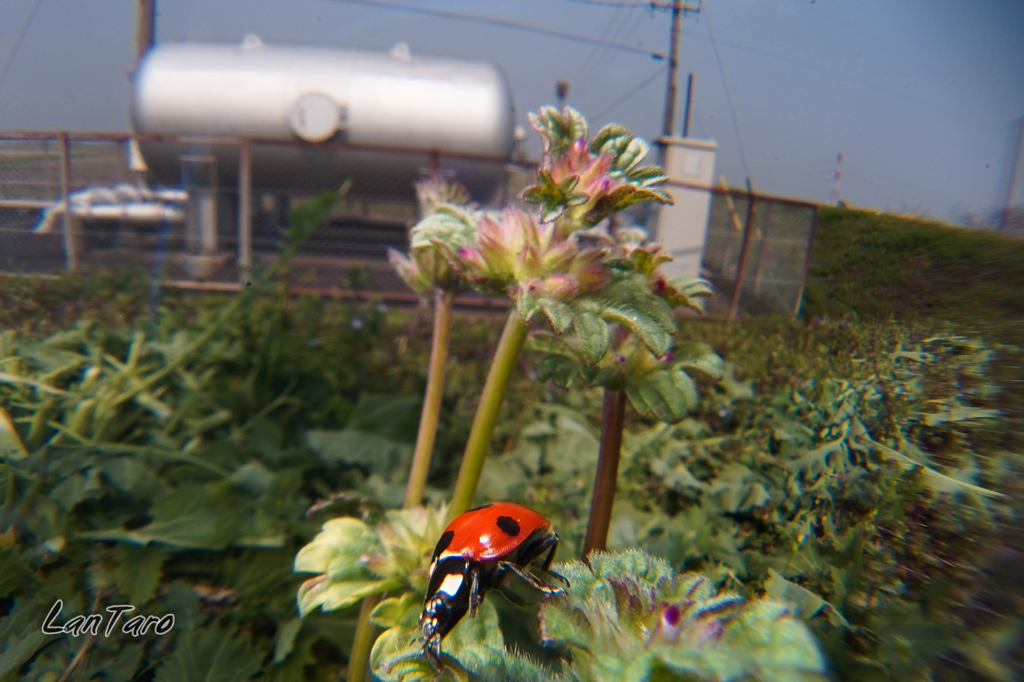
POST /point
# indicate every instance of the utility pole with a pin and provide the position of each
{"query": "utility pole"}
(145, 27)
(689, 104)
(1016, 168)
(833, 197)
(673, 67)
(561, 91)
(679, 9)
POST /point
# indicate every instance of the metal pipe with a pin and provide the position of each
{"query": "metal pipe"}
(245, 211)
(488, 302)
(145, 28)
(689, 104)
(70, 243)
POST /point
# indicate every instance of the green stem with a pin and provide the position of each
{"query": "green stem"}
(512, 339)
(362, 643)
(431, 399)
(612, 425)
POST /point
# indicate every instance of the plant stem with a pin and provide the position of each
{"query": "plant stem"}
(512, 339)
(362, 643)
(612, 423)
(431, 399)
(364, 637)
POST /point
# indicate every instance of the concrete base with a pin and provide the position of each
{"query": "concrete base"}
(202, 267)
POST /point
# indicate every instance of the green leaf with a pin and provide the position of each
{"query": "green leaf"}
(593, 334)
(559, 314)
(959, 413)
(649, 329)
(357, 448)
(931, 478)
(194, 517)
(701, 358)
(402, 612)
(138, 572)
(210, 655)
(667, 394)
(559, 368)
(19, 649)
(11, 447)
(285, 640)
(20, 634)
(14, 573)
(806, 603)
(606, 135)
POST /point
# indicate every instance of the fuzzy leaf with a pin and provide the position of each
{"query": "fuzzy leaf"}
(701, 358)
(593, 334)
(668, 394)
(559, 368)
(559, 314)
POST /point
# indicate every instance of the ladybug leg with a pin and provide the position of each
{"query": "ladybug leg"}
(550, 543)
(518, 574)
(551, 540)
(475, 598)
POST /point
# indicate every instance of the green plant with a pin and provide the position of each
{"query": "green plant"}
(657, 386)
(542, 268)
(783, 485)
(161, 468)
(625, 616)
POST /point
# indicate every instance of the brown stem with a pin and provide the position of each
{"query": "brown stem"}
(84, 649)
(612, 423)
(431, 399)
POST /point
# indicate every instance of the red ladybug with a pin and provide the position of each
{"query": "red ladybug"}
(477, 552)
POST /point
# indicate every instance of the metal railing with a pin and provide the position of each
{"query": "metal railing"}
(756, 249)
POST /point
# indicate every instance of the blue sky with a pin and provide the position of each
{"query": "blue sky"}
(918, 95)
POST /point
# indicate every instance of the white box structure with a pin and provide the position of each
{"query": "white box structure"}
(682, 226)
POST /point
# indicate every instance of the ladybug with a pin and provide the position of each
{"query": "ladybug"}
(489, 547)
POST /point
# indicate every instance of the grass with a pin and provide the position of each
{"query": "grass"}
(877, 267)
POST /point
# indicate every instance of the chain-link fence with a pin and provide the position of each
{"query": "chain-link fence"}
(202, 212)
(199, 213)
(756, 254)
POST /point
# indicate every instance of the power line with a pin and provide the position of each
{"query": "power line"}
(643, 84)
(605, 57)
(728, 95)
(504, 23)
(606, 34)
(17, 41)
(610, 3)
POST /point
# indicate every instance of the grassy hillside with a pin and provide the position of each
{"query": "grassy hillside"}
(877, 267)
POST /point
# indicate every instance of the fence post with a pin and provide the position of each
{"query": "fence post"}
(807, 263)
(70, 241)
(245, 211)
(762, 248)
(741, 266)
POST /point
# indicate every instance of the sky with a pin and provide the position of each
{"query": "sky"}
(917, 95)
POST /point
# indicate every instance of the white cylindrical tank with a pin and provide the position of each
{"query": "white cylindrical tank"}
(413, 104)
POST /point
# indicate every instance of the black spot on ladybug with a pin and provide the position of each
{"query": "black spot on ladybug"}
(443, 543)
(508, 525)
(483, 506)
